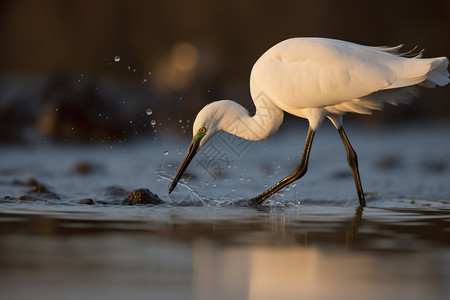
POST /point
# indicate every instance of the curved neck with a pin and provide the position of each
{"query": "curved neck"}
(264, 123)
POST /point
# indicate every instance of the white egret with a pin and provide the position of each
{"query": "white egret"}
(316, 78)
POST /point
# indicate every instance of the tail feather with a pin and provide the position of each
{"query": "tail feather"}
(415, 72)
(438, 74)
(427, 72)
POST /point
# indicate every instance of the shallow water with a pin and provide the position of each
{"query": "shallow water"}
(310, 241)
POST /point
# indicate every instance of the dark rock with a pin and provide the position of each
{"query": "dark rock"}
(40, 189)
(142, 196)
(26, 198)
(85, 168)
(87, 201)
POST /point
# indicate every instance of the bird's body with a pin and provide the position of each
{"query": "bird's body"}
(332, 77)
(315, 78)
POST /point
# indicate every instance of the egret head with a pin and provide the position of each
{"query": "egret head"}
(206, 125)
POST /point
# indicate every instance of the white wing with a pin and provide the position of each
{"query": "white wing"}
(316, 73)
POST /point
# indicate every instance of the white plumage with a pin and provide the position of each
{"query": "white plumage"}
(315, 78)
(336, 77)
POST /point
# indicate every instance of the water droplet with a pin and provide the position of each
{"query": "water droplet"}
(131, 121)
(166, 153)
(99, 115)
(149, 112)
(181, 98)
(129, 68)
(117, 59)
(134, 70)
(180, 121)
(144, 81)
(213, 185)
(153, 122)
(57, 109)
(149, 73)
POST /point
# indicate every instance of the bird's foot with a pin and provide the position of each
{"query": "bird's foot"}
(259, 199)
(253, 202)
(362, 201)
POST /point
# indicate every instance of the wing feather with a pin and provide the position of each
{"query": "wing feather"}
(313, 72)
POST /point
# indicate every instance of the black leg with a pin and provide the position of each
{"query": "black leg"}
(298, 172)
(353, 163)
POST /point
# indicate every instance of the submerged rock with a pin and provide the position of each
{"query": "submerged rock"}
(142, 196)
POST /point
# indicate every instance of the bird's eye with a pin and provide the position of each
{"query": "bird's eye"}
(202, 130)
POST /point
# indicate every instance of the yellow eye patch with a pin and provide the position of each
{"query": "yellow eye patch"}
(201, 133)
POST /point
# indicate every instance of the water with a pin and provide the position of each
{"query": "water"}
(310, 242)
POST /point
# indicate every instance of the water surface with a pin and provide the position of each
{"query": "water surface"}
(310, 242)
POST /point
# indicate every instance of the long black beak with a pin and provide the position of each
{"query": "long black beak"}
(193, 149)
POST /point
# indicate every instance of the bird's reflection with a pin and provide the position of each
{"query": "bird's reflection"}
(352, 231)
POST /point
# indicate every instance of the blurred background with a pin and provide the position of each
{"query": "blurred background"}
(108, 70)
